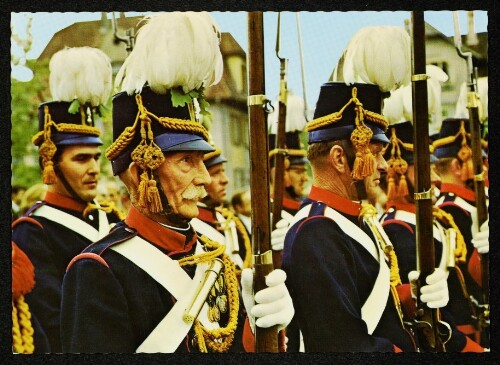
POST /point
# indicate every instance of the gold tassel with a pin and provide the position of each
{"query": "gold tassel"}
(391, 188)
(143, 189)
(49, 175)
(358, 167)
(368, 164)
(402, 187)
(154, 200)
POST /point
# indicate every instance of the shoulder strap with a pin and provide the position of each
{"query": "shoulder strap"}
(205, 229)
(171, 331)
(375, 304)
(75, 224)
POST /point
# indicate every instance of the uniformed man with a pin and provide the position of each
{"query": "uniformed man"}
(161, 287)
(53, 231)
(399, 223)
(343, 289)
(296, 177)
(328, 241)
(452, 148)
(241, 203)
(216, 221)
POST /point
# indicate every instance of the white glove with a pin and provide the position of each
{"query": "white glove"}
(274, 304)
(279, 233)
(435, 293)
(481, 239)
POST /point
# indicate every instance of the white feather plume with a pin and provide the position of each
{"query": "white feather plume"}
(393, 109)
(461, 110)
(82, 73)
(399, 106)
(295, 118)
(379, 55)
(434, 85)
(171, 50)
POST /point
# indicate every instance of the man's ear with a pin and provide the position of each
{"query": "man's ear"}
(455, 167)
(336, 158)
(134, 172)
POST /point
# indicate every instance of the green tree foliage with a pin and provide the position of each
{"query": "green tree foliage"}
(26, 96)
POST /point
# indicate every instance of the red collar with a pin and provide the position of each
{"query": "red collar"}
(154, 232)
(207, 215)
(334, 201)
(63, 201)
(291, 204)
(407, 207)
(460, 191)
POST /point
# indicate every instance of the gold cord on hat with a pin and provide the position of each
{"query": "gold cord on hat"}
(209, 155)
(147, 154)
(364, 164)
(47, 146)
(465, 152)
(397, 185)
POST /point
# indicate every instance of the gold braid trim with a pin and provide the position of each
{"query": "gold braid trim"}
(48, 148)
(447, 219)
(368, 214)
(221, 339)
(450, 139)
(397, 167)
(22, 330)
(288, 152)
(209, 155)
(147, 154)
(230, 216)
(332, 118)
(105, 206)
(364, 163)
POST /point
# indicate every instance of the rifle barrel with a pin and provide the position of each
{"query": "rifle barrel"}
(266, 339)
(423, 196)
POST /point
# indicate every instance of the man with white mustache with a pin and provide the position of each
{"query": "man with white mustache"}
(152, 269)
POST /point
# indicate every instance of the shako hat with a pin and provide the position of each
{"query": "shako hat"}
(454, 140)
(349, 107)
(214, 158)
(176, 56)
(80, 83)
(399, 154)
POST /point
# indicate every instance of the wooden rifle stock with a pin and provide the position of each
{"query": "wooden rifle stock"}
(427, 319)
(279, 157)
(266, 339)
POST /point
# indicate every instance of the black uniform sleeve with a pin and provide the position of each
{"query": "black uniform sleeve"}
(44, 299)
(94, 311)
(325, 276)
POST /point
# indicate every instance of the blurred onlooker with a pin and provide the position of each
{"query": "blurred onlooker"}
(16, 194)
(113, 192)
(124, 199)
(242, 206)
(31, 196)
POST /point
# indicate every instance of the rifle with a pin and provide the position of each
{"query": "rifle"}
(129, 38)
(302, 68)
(477, 162)
(266, 339)
(279, 158)
(428, 326)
